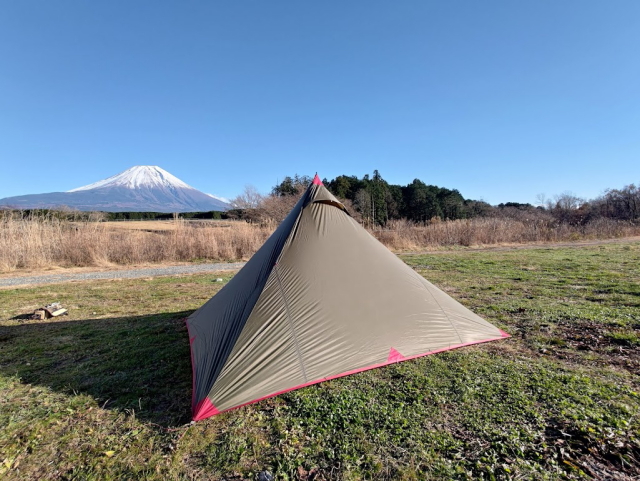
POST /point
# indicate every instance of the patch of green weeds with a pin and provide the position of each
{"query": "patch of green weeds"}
(625, 338)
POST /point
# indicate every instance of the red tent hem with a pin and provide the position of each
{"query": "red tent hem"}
(206, 408)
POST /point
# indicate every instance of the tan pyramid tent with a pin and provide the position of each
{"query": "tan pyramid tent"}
(321, 299)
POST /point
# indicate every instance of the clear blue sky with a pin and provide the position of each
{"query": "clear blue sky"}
(501, 100)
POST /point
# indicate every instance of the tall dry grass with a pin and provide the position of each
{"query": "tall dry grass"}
(42, 242)
(45, 241)
(401, 235)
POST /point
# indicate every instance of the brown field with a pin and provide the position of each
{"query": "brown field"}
(167, 225)
(43, 243)
(401, 235)
(46, 243)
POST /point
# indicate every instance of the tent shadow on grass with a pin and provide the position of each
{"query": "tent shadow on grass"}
(140, 363)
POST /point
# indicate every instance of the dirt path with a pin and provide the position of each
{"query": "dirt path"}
(29, 281)
(68, 275)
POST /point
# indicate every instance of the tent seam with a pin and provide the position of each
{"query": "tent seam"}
(291, 326)
(446, 315)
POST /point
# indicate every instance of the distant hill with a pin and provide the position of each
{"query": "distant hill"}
(143, 188)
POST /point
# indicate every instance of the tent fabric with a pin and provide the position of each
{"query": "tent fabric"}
(321, 299)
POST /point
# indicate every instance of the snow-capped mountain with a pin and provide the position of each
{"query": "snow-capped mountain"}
(143, 188)
(140, 176)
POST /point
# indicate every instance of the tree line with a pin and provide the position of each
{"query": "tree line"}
(375, 202)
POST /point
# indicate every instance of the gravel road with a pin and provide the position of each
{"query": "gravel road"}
(119, 274)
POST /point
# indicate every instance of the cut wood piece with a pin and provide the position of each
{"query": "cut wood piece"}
(54, 311)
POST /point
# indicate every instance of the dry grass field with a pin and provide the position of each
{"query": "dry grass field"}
(170, 225)
(401, 235)
(47, 242)
(42, 243)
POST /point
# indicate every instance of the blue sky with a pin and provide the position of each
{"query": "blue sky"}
(501, 100)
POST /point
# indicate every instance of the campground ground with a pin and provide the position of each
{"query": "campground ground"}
(105, 392)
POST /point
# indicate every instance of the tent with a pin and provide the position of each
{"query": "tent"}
(321, 299)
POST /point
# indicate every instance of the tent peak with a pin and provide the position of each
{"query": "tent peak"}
(316, 180)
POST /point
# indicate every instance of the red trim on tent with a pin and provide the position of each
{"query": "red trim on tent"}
(211, 410)
(394, 356)
(316, 180)
(204, 409)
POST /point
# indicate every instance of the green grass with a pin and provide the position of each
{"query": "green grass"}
(105, 392)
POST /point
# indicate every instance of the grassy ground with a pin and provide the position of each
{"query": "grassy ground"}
(105, 392)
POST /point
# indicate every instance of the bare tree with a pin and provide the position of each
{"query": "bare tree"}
(363, 204)
(96, 216)
(567, 207)
(622, 203)
(249, 199)
(275, 208)
(568, 201)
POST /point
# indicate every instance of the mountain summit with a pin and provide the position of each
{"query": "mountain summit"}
(143, 188)
(138, 177)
